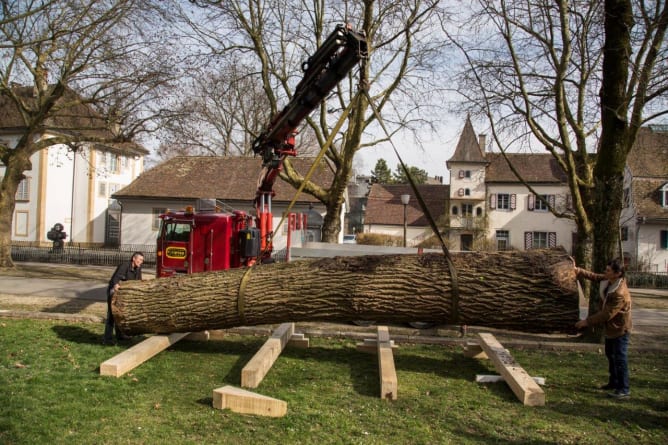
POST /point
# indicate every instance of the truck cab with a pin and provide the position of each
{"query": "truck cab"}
(192, 242)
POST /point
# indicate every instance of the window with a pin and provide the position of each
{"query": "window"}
(113, 163)
(502, 240)
(177, 232)
(23, 190)
(539, 203)
(467, 209)
(664, 195)
(455, 210)
(102, 189)
(502, 201)
(664, 239)
(467, 192)
(478, 211)
(625, 233)
(464, 174)
(156, 212)
(539, 240)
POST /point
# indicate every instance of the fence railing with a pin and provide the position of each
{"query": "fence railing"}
(651, 280)
(80, 254)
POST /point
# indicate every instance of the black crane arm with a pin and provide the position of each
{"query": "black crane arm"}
(331, 62)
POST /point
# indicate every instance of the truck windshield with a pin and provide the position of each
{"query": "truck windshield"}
(177, 232)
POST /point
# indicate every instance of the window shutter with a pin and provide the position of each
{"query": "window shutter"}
(552, 239)
(461, 174)
(530, 202)
(492, 201)
(528, 240)
(513, 201)
(460, 192)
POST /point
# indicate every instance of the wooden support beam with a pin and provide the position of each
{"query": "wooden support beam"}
(486, 378)
(370, 345)
(474, 350)
(386, 370)
(246, 402)
(520, 382)
(258, 366)
(138, 354)
(299, 341)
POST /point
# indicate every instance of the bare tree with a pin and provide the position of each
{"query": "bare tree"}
(275, 37)
(213, 114)
(88, 74)
(573, 77)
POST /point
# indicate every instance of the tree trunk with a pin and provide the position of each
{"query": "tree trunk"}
(531, 291)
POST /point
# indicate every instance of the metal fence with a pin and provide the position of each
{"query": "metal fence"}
(656, 280)
(80, 254)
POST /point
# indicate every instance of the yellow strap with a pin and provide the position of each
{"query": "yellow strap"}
(241, 294)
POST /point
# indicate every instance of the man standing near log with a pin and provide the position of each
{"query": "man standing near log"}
(129, 270)
(615, 313)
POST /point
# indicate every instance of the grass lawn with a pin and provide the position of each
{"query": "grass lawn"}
(51, 393)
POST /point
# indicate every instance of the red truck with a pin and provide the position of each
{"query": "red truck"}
(201, 240)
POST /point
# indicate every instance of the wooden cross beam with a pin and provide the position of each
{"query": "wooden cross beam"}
(258, 366)
(520, 382)
(138, 354)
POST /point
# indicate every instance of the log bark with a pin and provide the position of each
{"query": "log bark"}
(531, 291)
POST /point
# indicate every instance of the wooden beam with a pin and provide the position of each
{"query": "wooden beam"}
(138, 354)
(520, 382)
(370, 345)
(246, 402)
(299, 341)
(386, 369)
(258, 366)
(474, 350)
(486, 378)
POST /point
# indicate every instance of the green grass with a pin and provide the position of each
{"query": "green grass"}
(51, 392)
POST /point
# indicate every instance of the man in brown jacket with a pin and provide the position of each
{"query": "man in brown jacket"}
(615, 313)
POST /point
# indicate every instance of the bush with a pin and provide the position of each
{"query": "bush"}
(378, 239)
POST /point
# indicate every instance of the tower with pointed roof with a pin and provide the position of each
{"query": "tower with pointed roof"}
(467, 189)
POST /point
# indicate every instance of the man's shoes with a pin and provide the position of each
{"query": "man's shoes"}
(607, 386)
(619, 394)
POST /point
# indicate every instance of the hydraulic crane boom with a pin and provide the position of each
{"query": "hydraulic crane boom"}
(331, 62)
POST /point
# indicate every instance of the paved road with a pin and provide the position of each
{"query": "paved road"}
(48, 287)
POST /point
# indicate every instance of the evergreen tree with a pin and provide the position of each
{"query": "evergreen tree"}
(381, 173)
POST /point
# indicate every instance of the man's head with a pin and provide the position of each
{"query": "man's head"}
(614, 270)
(137, 259)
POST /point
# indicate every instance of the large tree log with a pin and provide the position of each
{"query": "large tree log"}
(532, 291)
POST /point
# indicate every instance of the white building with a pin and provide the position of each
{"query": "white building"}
(72, 188)
(231, 181)
(491, 209)
(644, 219)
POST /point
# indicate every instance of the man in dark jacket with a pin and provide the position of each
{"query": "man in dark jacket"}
(130, 270)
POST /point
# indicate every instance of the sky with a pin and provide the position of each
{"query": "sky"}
(437, 149)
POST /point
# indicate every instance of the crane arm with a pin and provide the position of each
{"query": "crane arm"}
(331, 62)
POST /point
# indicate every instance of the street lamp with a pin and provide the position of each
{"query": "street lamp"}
(404, 201)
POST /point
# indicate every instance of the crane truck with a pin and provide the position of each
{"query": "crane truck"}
(203, 239)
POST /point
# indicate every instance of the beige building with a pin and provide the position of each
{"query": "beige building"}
(66, 186)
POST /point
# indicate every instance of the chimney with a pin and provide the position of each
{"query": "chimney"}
(482, 141)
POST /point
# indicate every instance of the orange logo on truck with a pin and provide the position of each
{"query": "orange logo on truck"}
(176, 253)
